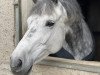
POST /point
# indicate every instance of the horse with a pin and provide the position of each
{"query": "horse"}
(52, 25)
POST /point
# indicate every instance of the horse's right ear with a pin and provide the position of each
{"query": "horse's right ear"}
(34, 1)
(55, 1)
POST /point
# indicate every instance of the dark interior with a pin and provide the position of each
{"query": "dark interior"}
(91, 12)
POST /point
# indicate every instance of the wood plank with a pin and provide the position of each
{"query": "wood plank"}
(88, 66)
(46, 69)
(26, 6)
(49, 70)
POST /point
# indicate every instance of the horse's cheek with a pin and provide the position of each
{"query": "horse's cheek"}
(55, 44)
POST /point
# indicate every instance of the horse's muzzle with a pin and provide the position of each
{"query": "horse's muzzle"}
(16, 64)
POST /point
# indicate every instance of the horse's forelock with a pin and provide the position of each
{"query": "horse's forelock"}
(46, 5)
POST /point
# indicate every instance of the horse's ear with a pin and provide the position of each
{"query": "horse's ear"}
(55, 1)
(34, 1)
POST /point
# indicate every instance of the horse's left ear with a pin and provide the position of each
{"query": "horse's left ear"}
(55, 1)
(34, 1)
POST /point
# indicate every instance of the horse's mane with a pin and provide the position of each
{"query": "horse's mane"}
(71, 6)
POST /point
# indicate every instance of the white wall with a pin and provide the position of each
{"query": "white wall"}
(6, 34)
(6, 29)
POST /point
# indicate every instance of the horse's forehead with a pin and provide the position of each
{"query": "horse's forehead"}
(37, 18)
(58, 10)
(46, 9)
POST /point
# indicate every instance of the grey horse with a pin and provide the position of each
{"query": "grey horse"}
(52, 25)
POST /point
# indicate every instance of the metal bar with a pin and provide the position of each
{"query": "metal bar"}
(18, 22)
(15, 2)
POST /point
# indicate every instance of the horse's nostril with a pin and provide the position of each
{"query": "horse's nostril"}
(16, 64)
(19, 63)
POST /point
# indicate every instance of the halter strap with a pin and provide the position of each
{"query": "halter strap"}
(65, 54)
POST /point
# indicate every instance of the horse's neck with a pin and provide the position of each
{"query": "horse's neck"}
(79, 42)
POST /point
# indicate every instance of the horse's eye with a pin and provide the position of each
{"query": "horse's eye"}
(50, 23)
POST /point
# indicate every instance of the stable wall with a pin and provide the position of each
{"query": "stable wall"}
(6, 34)
(6, 29)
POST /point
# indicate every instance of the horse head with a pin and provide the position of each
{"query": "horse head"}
(48, 24)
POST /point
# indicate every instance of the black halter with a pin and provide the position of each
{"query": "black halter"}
(65, 54)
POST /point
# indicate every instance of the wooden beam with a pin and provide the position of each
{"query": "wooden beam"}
(88, 66)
